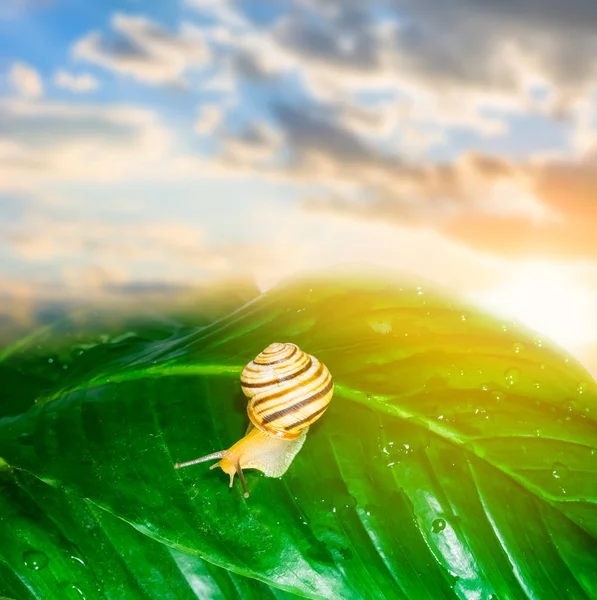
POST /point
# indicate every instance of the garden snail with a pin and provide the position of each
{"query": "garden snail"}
(288, 390)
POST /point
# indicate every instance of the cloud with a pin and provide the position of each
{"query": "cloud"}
(409, 72)
(567, 189)
(143, 49)
(43, 239)
(76, 83)
(476, 45)
(26, 80)
(309, 146)
(543, 209)
(340, 53)
(210, 116)
(358, 93)
(45, 141)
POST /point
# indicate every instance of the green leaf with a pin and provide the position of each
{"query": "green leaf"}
(458, 457)
(58, 545)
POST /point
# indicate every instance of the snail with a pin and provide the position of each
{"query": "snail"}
(288, 390)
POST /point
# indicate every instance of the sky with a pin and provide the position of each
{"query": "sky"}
(172, 143)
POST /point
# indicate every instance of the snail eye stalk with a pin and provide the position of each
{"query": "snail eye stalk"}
(241, 476)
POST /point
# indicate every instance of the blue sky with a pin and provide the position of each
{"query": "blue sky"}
(174, 142)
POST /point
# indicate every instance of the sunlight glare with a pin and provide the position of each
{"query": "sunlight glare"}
(545, 299)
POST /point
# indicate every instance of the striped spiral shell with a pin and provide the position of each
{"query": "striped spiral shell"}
(288, 390)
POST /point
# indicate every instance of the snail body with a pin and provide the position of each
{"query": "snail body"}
(288, 390)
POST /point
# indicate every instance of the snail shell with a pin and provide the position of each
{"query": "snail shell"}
(288, 390)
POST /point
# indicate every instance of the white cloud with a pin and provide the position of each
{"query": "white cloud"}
(45, 141)
(26, 80)
(143, 49)
(76, 83)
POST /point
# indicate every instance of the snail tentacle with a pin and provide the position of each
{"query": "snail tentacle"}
(196, 461)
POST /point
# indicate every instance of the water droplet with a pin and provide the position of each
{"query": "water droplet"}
(438, 525)
(518, 347)
(78, 559)
(35, 560)
(65, 367)
(593, 451)
(73, 591)
(380, 326)
(539, 342)
(582, 387)
(511, 376)
(497, 396)
(559, 471)
(492, 597)
(542, 367)
(463, 317)
(50, 360)
(482, 413)
(537, 432)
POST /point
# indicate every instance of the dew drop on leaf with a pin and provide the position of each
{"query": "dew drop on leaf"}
(35, 560)
(50, 360)
(559, 471)
(438, 525)
(78, 559)
(518, 347)
(380, 326)
(511, 376)
(73, 591)
(582, 387)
